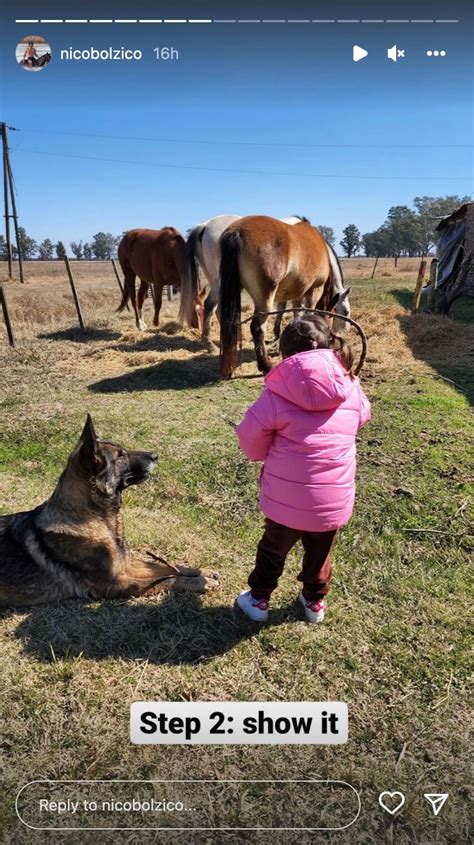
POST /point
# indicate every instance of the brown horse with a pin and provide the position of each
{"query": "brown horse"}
(157, 257)
(272, 261)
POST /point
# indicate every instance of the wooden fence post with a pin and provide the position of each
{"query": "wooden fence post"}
(419, 285)
(375, 267)
(119, 281)
(433, 283)
(74, 294)
(6, 316)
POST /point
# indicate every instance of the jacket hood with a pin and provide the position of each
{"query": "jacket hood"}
(314, 380)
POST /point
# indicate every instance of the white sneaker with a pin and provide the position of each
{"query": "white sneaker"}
(255, 609)
(313, 610)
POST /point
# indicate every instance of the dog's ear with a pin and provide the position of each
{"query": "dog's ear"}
(88, 446)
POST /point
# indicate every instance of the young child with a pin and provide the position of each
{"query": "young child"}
(303, 426)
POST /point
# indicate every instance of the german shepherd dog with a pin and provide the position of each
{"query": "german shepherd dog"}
(72, 546)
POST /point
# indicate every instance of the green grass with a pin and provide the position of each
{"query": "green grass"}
(393, 644)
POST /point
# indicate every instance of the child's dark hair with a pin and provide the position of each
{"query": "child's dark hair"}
(312, 332)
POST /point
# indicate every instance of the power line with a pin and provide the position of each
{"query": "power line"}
(244, 172)
(215, 142)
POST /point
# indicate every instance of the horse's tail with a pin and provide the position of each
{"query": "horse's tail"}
(230, 300)
(190, 279)
(127, 269)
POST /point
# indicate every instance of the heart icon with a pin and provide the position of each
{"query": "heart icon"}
(391, 802)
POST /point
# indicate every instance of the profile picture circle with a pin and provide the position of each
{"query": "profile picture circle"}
(33, 52)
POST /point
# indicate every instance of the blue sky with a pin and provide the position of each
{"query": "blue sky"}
(115, 145)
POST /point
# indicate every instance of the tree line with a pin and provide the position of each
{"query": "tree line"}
(406, 231)
(103, 245)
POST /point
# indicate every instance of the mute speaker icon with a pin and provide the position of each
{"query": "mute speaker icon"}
(394, 53)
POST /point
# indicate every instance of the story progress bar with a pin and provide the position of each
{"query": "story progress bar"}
(230, 21)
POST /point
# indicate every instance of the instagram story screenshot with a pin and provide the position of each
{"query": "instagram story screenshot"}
(236, 342)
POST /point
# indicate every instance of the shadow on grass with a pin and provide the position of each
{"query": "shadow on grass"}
(78, 335)
(173, 630)
(443, 343)
(161, 341)
(166, 339)
(404, 297)
(167, 375)
(462, 310)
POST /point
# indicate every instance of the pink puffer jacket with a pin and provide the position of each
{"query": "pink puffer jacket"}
(304, 426)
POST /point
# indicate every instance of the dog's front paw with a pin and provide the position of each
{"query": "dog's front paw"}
(208, 579)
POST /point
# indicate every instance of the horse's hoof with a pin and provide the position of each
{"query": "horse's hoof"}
(211, 347)
(141, 326)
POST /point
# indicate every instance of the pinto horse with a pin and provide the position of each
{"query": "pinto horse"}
(157, 257)
(273, 261)
(203, 250)
(203, 254)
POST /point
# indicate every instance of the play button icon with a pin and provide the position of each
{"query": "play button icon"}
(358, 53)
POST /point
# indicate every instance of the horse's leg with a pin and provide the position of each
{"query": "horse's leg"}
(312, 299)
(257, 328)
(309, 297)
(210, 305)
(142, 292)
(157, 298)
(277, 327)
(129, 284)
(297, 304)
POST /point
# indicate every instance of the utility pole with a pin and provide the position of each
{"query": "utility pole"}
(5, 200)
(9, 196)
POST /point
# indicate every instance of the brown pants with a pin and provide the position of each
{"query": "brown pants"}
(273, 548)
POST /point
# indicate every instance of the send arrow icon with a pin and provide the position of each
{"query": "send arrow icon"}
(437, 800)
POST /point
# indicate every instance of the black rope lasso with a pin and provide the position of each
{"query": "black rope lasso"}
(358, 328)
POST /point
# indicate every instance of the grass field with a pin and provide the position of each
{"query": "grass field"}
(394, 643)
